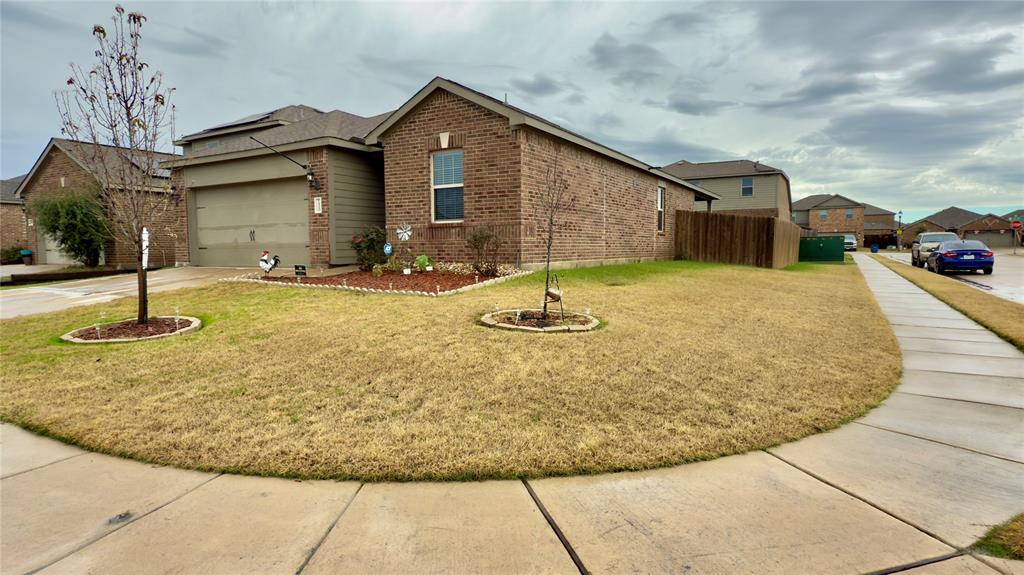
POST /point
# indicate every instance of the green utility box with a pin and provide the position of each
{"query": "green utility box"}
(822, 249)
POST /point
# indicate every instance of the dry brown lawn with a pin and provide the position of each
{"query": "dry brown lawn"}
(1006, 540)
(1004, 317)
(695, 361)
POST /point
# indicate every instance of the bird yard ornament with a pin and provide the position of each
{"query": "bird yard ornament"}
(404, 232)
(267, 263)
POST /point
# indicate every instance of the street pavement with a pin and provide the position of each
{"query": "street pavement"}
(1006, 281)
(907, 488)
(63, 295)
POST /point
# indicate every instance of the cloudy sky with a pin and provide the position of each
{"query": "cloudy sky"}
(913, 106)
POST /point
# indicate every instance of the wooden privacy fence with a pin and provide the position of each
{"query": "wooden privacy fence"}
(748, 240)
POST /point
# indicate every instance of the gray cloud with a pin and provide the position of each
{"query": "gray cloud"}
(904, 134)
(22, 15)
(691, 104)
(663, 148)
(630, 63)
(189, 42)
(817, 93)
(677, 23)
(539, 85)
(969, 69)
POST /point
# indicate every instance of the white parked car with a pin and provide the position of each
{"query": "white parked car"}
(850, 242)
(927, 242)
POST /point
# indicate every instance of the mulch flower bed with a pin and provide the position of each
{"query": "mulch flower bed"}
(430, 282)
(535, 318)
(129, 329)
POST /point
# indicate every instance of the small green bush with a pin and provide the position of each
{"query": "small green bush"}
(77, 222)
(422, 262)
(11, 255)
(485, 244)
(369, 247)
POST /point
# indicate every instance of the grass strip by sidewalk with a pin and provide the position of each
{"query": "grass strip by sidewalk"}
(1005, 541)
(1004, 317)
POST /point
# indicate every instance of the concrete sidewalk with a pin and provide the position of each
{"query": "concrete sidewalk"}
(905, 488)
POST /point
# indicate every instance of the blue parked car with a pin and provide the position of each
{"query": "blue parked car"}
(961, 255)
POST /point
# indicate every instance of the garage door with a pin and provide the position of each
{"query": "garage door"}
(52, 253)
(234, 224)
(992, 239)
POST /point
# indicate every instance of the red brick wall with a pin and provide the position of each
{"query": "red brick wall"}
(491, 176)
(614, 210)
(911, 231)
(13, 230)
(319, 224)
(614, 216)
(986, 223)
(179, 218)
(837, 222)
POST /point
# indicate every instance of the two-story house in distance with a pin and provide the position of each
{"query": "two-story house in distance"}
(830, 214)
(746, 187)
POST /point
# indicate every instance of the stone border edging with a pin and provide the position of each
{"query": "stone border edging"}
(194, 324)
(489, 321)
(257, 279)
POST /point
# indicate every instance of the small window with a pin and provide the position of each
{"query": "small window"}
(747, 189)
(823, 215)
(661, 208)
(447, 186)
(849, 213)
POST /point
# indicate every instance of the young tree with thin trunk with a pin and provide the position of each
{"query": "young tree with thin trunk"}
(554, 200)
(120, 112)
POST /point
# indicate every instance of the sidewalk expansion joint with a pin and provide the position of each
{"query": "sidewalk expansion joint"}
(312, 552)
(558, 531)
(122, 526)
(916, 564)
(922, 438)
(44, 465)
(959, 399)
(863, 500)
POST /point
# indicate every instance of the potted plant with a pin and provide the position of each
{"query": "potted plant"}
(26, 257)
(424, 264)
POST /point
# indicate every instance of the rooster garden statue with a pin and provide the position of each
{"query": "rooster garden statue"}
(267, 263)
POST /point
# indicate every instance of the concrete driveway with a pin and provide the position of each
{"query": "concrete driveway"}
(63, 295)
(1007, 281)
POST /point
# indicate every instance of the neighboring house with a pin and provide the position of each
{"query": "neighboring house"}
(746, 188)
(879, 226)
(303, 202)
(13, 231)
(993, 230)
(950, 219)
(64, 166)
(830, 214)
(449, 161)
(456, 160)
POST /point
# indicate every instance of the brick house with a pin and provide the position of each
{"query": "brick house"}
(13, 228)
(300, 182)
(745, 187)
(879, 226)
(456, 159)
(830, 214)
(63, 166)
(950, 219)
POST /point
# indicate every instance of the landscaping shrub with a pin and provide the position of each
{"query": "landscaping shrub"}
(76, 221)
(11, 255)
(485, 244)
(369, 247)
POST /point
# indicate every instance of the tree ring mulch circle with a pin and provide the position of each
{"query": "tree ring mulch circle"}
(533, 320)
(127, 330)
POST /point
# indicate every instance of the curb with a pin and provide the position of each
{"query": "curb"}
(256, 279)
(489, 321)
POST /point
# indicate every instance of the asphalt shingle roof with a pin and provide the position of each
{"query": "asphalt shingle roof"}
(809, 202)
(952, 217)
(8, 188)
(729, 168)
(334, 124)
(871, 210)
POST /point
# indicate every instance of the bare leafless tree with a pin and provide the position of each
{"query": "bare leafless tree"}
(554, 200)
(120, 111)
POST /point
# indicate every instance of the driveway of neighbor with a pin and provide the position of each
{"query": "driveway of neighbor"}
(907, 488)
(1007, 281)
(57, 296)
